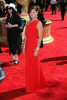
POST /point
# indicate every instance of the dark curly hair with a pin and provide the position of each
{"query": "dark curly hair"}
(33, 6)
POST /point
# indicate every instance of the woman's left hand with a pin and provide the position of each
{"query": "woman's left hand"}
(36, 53)
(10, 26)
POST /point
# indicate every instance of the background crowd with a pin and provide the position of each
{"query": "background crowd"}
(43, 4)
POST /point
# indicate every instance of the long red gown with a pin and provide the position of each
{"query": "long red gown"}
(34, 76)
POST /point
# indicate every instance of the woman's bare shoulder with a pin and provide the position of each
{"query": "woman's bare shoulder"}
(39, 24)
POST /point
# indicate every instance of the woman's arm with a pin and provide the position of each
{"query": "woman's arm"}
(24, 45)
(40, 31)
(11, 26)
(24, 41)
(15, 25)
(18, 20)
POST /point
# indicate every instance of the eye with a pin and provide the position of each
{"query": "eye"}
(33, 12)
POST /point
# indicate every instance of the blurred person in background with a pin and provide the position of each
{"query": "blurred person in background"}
(2, 11)
(63, 4)
(53, 6)
(2, 8)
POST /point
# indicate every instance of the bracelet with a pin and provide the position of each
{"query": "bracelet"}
(37, 48)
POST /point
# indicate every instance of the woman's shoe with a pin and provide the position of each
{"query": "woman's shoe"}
(1, 63)
(16, 62)
(0, 50)
(12, 60)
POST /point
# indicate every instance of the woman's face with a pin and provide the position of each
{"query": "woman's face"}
(33, 14)
(9, 10)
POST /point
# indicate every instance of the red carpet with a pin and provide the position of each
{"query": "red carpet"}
(53, 62)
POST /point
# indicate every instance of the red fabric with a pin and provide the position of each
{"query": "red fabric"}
(34, 76)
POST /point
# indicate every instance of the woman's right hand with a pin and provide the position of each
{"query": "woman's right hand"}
(36, 53)
(6, 26)
(9, 26)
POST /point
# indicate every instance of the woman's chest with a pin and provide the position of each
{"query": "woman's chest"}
(31, 31)
(11, 20)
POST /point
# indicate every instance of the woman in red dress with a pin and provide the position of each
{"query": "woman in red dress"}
(33, 34)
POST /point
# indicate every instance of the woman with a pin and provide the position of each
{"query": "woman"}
(14, 36)
(33, 35)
